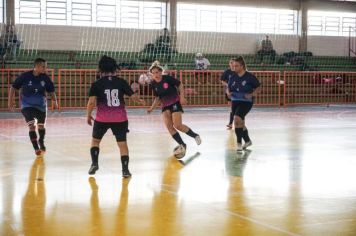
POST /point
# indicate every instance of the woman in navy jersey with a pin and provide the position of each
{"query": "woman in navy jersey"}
(242, 88)
(107, 93)
(225, 77)
(34, 85)
(170, 93)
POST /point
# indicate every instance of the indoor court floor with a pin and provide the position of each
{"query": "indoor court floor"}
(298, 178)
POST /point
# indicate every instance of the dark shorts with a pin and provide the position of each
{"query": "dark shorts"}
(175, 107)
(31, 114)
(240, 108)
(119, 130)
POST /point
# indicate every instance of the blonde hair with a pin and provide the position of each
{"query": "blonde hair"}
(156, 65)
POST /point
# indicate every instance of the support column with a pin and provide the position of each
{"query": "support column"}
(172, 14)
(303, 24)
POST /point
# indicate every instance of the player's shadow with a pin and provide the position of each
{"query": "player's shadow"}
(235, 163)
(186, 160)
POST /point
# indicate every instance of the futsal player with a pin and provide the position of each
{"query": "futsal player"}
(107, 93)
(35, 85)
(242, 88)
(170, 93)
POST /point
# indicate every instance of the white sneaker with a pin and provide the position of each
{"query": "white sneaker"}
(247, 145)
(239, 147)
(197, 139)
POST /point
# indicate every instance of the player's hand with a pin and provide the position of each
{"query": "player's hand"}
(11, 105)
(142, 102)
(89, 119)
(55, 105)
(248, 95)
(183, 101)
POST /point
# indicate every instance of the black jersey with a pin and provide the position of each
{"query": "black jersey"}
(110, 92)
(167, 90)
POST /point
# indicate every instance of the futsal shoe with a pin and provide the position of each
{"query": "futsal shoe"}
(38, 152)
(246, 145)
(197, 139)
(126, 173)
(42, 147)
(239, 147)
(229, 126)
(93, 169)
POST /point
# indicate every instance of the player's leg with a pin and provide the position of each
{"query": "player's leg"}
(245, 109)
(29, 115)
(177, 123)
(41, 117)
(99, 130)
(120, 130)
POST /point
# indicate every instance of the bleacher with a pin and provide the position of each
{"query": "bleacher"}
(179, 61)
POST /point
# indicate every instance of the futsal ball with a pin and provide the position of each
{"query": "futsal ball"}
(179, 152)
(144, 79)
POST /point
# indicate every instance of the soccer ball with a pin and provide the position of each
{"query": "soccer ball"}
(144, 79)
(179, 152)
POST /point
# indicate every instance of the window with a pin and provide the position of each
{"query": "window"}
(330, 23)
(103, 13)
(196, 17)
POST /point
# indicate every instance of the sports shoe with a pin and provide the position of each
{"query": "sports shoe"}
(93, 169)
(126, 173)
(38, 152)
(247, 144)
(239, 147)
(197, 139)
(229, 126)
(42, 146)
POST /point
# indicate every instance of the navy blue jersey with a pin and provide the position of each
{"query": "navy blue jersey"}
(227, 75)
(240, 86)
(109, 92)
(166, 90)
(33, 89)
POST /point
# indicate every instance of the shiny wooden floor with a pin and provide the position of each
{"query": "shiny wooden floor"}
(297, 179)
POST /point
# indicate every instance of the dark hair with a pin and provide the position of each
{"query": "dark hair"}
(240, 60)
(108, 64)
(39, 61)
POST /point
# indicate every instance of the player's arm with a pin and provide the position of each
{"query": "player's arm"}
(11, 100)
(136, 98)
(54, 100)
(181, 94)
(155, 103)
(90, 107)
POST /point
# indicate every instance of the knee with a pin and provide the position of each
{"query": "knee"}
(239, 123)
(171, 129)
(32, 127)
(179, 127)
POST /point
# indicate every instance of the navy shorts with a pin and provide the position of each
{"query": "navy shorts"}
(175, 107)
(31, 114)
(119, 130)
(240, 108)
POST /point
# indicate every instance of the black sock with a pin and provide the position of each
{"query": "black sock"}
(125, 162)
(33, 138)
(178, 138)
(239, 133)
(191, 133)
(245, 136)
(231, 118)
(42, 133)
(94, 152)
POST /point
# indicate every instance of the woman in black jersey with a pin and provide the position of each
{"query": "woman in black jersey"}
(170, 93)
